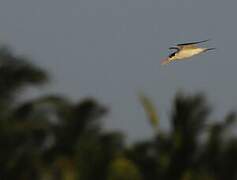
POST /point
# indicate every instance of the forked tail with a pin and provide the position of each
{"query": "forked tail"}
(209, 49)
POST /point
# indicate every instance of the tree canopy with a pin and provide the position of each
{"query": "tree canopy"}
(50, 137)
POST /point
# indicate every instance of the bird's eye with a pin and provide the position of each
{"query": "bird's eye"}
(173, 54)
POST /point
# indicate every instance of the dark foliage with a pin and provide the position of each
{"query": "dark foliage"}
(52, 138)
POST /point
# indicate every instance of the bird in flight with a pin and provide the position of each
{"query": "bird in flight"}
(184, 51)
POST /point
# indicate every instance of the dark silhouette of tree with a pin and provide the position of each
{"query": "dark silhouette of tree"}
(15, 74)
(194, 149)
(51, 137)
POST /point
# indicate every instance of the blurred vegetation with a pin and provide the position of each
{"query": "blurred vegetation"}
(49, 137)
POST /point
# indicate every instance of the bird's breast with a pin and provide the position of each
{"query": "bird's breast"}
(188, 53)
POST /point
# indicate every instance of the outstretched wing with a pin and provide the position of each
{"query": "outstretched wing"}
(175, 48)
(192, 43)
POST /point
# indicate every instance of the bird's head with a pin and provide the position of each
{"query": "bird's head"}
(169, 59)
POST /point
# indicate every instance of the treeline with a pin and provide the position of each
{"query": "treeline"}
(50, 137)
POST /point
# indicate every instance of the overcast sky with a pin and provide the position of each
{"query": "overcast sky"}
(111, 50)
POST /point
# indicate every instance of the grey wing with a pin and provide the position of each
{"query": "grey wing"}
(192, 43)
(175, 48)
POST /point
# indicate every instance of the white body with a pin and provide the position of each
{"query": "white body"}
(187, 53)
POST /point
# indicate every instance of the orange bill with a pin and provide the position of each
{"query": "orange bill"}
(165, 61)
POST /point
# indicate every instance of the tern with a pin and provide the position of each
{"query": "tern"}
(186, 50)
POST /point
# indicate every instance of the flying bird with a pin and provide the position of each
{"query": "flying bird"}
(186, 50)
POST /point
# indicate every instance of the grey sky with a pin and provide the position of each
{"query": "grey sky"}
(111, 49)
